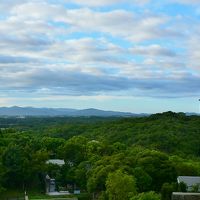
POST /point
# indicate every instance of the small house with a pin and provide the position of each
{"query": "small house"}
(50, 185)
(51, 182)
(190, 181)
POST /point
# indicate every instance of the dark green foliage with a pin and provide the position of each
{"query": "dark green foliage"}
(182, 187)
(196, 188)
(166, 191)
(74, 150)
(152, 150)
(120, 185)
(158, 167)
(146, 196)
(143, 179)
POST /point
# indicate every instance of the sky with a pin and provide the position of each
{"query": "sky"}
(123, 55)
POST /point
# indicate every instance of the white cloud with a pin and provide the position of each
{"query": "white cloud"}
(194, 52)
(4, 101)
(153, 50)
(118, 23)
(35, 17)
(37, 11)
(93, 3)
(189, 2)
(89, 51)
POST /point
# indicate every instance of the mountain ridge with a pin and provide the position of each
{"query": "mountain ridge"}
(32, 111)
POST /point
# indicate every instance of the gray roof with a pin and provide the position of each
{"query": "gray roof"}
(189, 180)
(186, 194)
(56, 162)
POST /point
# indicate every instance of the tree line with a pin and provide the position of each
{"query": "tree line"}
(110, 159)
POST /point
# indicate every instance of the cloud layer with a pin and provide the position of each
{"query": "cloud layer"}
(99, 47)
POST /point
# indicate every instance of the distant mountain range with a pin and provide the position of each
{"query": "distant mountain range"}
(30, 111)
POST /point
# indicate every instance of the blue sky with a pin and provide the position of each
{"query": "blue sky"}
(125, 55)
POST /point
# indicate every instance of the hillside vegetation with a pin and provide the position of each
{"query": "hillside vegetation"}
(108, 158)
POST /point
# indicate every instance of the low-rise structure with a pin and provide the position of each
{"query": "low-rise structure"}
(192, 182)
(56, 162)
(51, 182)
(185, 196)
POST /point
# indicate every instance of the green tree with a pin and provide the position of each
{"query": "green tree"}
(102, 196)
(157, 165)
(120, 186)
(146, 196)
(99, 170)
(74, 150)
(143, 180)
(16, 161)
(166, 191)
(195, 188)
(2, 171)
(182, 187)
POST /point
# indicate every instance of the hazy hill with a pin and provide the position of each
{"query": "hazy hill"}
(30, 111)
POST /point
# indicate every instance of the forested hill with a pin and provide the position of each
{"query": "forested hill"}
(168, 132)
(148, 153)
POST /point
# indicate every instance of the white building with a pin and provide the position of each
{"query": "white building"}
(56, 162)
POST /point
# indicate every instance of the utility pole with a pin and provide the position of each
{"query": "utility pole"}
(199, 107)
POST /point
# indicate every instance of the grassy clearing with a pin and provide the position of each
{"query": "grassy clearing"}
(56, 198)
(36, 195)
(11, 193)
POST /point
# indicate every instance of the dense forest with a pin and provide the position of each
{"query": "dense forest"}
(107, 158)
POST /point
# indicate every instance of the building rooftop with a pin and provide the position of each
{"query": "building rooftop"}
(189, 180)
(186, 194)
(56, 162)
